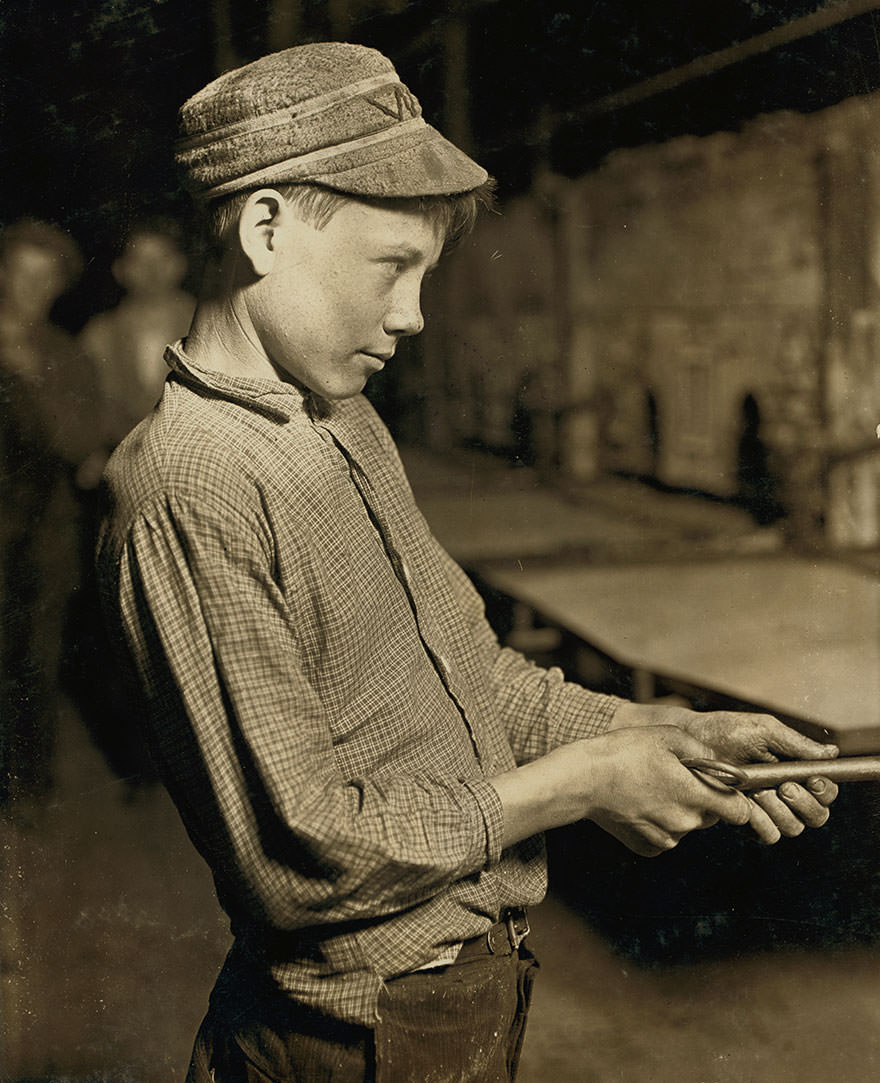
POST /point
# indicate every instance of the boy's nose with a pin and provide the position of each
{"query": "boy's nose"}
(405, 316)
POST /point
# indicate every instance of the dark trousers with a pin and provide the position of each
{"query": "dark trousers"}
(457, 1024)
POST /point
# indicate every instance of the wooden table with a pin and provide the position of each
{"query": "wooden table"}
(794, 636)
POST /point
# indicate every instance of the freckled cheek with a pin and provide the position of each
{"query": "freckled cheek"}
(362, 315)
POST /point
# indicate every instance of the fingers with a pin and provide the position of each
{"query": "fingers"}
(789, 809)
(804, 804)
(823, 789)
(751, 738)
(729, 805)
(655, 800)
(788, 743)
(762, 823)
(777, 819)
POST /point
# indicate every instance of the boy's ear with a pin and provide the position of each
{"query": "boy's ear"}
(259, 223)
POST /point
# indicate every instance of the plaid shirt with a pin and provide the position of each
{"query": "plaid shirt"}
(326, 702)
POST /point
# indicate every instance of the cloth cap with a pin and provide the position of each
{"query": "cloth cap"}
(328, 113)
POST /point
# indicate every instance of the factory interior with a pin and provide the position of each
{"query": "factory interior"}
(643, 417)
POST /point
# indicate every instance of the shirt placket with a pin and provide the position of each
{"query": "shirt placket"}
(364, 488)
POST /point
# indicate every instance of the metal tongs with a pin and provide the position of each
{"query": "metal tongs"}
(767, 776)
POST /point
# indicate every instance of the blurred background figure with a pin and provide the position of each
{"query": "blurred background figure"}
(126, 347)
(127, 343)
(51, 449)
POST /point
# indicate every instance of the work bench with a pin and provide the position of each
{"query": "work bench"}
(795, 636)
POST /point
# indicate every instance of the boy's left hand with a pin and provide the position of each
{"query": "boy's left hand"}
(757, 738)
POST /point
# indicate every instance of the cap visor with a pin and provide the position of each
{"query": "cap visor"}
(432, 166)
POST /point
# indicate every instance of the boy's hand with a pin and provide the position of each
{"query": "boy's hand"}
(639, 791)
(760, 738)
(631, 780)
(739, 737)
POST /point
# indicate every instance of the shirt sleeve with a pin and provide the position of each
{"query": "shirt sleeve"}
(245, 746)
(540, 709)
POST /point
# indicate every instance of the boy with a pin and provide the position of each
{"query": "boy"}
(363, 767)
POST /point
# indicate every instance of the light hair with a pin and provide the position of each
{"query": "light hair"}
(454, 215)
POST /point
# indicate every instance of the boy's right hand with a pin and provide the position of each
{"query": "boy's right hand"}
(637, 789)
(629, 781)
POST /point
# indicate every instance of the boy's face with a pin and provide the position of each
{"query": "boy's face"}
(338, 299)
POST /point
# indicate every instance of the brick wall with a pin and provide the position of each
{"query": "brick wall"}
(642, 317)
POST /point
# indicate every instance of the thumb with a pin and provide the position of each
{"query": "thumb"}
(716, 797)
(790, 744)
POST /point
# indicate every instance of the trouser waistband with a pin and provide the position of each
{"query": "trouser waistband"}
(502, 938)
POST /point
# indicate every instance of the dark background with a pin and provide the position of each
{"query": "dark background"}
(90, 89)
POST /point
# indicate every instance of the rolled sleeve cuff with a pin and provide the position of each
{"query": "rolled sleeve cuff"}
(489, 804)
(581, 714)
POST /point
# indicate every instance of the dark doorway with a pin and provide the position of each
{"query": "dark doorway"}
(757, 484)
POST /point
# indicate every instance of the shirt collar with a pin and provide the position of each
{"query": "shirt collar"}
(275, 399)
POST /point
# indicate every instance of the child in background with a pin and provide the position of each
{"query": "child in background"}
(128, 342)
(50, 451)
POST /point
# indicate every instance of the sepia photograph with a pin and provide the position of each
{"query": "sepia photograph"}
(439, 541)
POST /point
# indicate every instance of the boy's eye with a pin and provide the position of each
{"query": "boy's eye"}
(394, 265)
